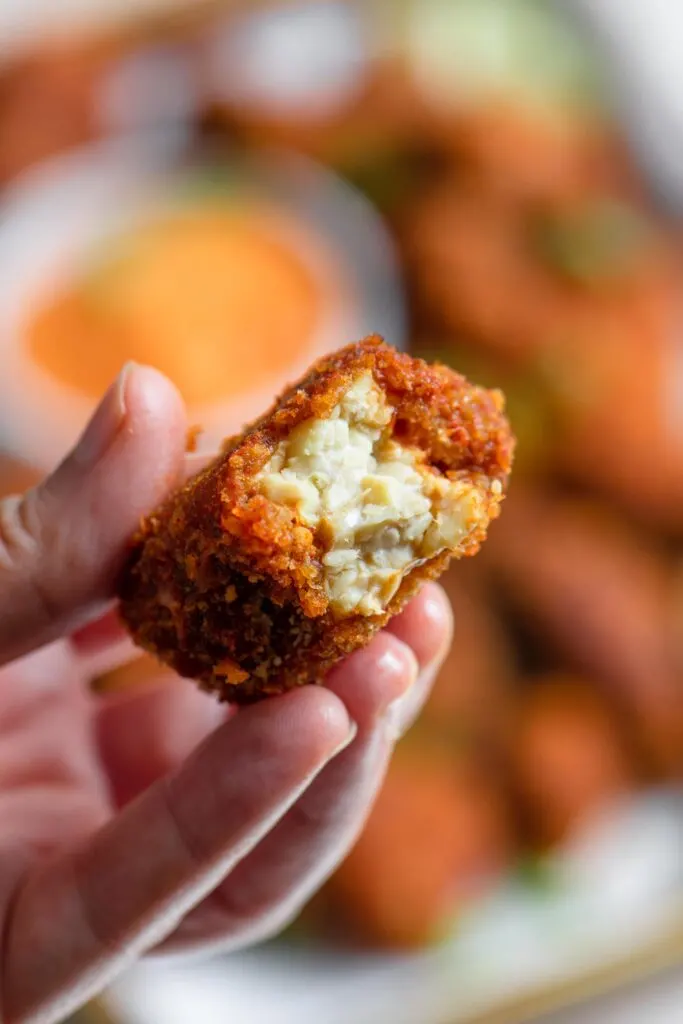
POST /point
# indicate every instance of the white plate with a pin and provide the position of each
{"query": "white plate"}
(619, 891)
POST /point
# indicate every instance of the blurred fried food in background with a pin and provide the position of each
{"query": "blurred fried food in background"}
(569, 759)
(437, 838)
(534, 261)
(379, 121)
(473, 694)
(525, 278)
(47, 103)
(519, 157)
(597, 593)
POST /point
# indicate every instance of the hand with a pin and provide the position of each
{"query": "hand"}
(158, 820)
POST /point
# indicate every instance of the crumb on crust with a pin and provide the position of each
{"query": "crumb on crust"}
(223, 580)
(192, 438)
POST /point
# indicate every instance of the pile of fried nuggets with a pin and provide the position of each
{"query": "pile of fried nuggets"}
(318, 523)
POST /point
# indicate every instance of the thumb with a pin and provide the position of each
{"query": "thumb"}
(62, 543)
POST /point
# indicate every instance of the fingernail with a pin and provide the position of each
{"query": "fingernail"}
(402, 713)
(399, 662)
(106, 422)
(348, 739)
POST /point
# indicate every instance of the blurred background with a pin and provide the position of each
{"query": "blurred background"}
(226, 190)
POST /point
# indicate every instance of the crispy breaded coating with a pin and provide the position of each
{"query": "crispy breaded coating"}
(318, 522)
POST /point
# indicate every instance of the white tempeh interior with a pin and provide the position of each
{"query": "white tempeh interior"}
(383, 510)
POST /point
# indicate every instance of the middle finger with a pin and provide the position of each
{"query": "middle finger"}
(269, 887)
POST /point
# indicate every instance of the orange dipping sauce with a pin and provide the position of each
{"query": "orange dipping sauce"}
(212, 296)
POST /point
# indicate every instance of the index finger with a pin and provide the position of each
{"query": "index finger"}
(63, 543)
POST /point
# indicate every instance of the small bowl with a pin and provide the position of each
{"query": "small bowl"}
(55, 215)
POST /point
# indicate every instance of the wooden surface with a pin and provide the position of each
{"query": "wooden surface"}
(578, 998)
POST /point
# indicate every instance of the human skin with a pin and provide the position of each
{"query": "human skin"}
(155, 820)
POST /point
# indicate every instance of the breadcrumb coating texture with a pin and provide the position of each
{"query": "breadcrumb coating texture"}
(231, 581)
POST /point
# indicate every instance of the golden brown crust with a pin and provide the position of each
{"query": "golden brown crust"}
(226, 586)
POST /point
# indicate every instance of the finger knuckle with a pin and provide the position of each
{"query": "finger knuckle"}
(19, 529)
(194, 853)
(21, 540)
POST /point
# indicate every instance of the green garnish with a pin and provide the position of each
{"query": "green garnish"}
(386, 181)
(512, 50)
(211, 181)
(538, 874)
(596, 245)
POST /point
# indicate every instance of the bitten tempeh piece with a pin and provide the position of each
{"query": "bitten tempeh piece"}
(318, 522)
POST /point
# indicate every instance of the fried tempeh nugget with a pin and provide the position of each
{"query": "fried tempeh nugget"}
(598, 595)
(318, 522)
(439, 836)
(571, 759)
